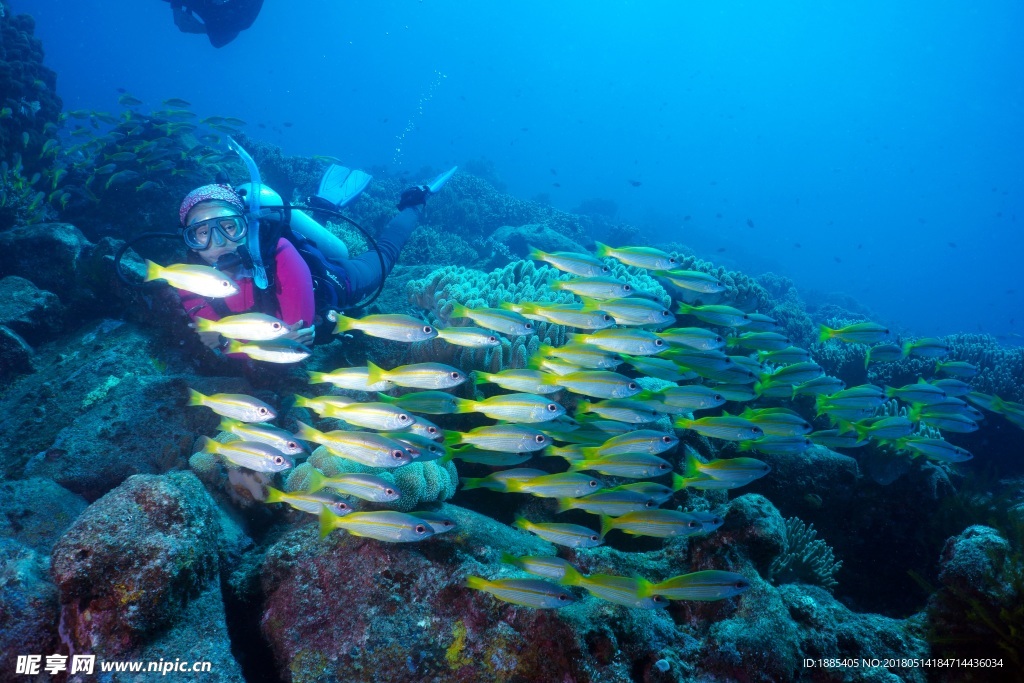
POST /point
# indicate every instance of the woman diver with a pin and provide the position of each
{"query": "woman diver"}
(215, 226)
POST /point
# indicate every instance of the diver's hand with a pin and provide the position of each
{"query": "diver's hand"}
(303, 335)
(414, 196)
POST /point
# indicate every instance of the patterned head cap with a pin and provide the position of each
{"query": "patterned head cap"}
(224, 193)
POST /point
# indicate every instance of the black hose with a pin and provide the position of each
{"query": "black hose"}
(369, 238)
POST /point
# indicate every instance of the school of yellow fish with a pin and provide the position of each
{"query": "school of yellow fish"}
(619, 429)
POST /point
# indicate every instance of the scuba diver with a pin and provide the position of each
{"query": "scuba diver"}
(220, 20)
(300, 271)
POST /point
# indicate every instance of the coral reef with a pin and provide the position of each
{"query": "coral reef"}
(29, 92)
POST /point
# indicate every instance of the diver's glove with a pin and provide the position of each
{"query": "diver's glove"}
(414, 196)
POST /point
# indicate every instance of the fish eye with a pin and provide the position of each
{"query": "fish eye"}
(594, 538)
(606, 317)
(553, 408)
(632, 385)
(262, 411)
(492, 339)
(592, 483)
(539, 438)
(666, 439)
(659, 342)
(292, 444)
(275, 326)
(528, 326)
(278, 460)
(397, 453)
(649, 503)
(740, 584)
(605, 269)
(420, 529)
(403, 417)
(718, 397)
(627, 288)
(431, 430)
(657, 598)
(756, 430)
(454, 375)
(427, 329)
(662, 466)
(693, 524)
(389, 492)
(562, 596)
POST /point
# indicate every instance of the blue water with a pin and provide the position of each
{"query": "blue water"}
(876, 148)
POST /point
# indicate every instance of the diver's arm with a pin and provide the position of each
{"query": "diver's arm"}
(294, 291)
(364, 272)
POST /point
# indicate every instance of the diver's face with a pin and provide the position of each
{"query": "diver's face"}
(218, 245)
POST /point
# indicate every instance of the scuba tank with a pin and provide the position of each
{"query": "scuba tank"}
(273, 206)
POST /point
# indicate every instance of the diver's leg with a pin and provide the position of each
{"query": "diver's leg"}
(328, 243)
(364, 272)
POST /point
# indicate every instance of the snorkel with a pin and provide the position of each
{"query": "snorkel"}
(259, 273)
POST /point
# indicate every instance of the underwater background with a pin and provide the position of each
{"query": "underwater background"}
(823, 165)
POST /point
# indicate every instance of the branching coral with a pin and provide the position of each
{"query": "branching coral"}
(805, 558)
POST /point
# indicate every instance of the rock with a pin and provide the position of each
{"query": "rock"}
(752, 525)
(50, 255)
(517, 240)
(131, 564)
(128, 425)
(36, 512)
(199, 634)
(33, 313)
(29, 610)
(108, 410)
(976, 611)
(825, 628)
(15, 354)
(407, 616)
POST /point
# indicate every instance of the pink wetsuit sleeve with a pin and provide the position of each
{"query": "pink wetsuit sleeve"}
(294, 287)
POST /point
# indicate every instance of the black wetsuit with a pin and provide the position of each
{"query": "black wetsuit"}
(223, 20)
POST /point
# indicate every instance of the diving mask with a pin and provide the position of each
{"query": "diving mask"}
(220, 230)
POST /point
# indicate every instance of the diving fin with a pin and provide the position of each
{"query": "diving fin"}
(437, 183)
(341, 185)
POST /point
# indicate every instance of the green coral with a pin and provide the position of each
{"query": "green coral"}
(419, 483)
(804, 558)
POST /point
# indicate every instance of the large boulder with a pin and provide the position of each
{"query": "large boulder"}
(29, 610)
(33, 313)
(37, 511)
(514, 242)
(976, 611)
(131, 565)
(50, 255)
